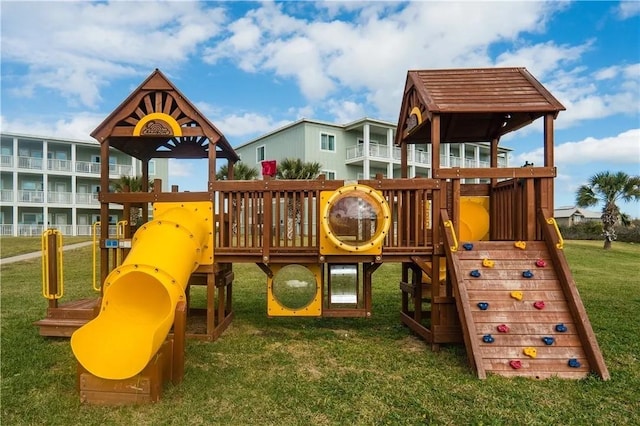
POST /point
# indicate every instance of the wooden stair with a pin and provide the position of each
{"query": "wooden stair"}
(63, 320)
(543, 310)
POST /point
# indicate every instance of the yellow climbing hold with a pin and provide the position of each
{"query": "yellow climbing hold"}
(530, 352)
(488, 263)
(517, 295)
(521, 245)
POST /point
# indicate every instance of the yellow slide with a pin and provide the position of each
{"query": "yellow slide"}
(141, 295)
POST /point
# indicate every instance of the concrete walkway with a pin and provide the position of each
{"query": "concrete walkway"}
(38, 254)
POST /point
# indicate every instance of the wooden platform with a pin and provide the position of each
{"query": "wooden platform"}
(506, 335)
(63, 320)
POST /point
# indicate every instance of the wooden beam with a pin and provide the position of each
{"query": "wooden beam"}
(499, 173)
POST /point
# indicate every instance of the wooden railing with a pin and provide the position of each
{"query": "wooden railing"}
(271, 219)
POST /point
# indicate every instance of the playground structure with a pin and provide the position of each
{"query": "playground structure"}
(482, 264)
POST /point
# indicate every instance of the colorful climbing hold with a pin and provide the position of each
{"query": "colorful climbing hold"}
(539, 304)
(548, 340)
(503, 328)
(488, 263)
(487, 338)
(527, 274)
(561, 328)
(521, 245)
(530, 351)
(475, 273)
(483, 306)
(540, 263)
(517, 295)
(574, 363)
(467, 246)
(515, 364)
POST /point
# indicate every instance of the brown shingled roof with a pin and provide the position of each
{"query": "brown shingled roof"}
(475, 104)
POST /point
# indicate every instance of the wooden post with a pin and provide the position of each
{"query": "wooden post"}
(179, 335)
(52, 267)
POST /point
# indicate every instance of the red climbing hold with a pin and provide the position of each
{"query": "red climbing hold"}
(541, 263)
(515, 364)
(503, 328)
(538, 304)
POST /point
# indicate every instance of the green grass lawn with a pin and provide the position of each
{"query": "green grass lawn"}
(309, 371)
(14, 246)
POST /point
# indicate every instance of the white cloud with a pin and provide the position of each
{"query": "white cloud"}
(78, 127)
(181, 168)
(628, 9)
(78, 48)
(622, 149)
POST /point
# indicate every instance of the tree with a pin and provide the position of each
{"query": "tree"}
(609, 188)
(240, 172)
(134, 184)
(295, 168)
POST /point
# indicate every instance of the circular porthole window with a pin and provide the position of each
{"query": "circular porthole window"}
(294, 287)
(356, 218)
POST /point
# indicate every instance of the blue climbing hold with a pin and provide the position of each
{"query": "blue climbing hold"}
(475, 273)
(548, 340)
(527, 274)
(467, 246)
(574, 363)
(483, 306)
(561, 328)
(487, 338)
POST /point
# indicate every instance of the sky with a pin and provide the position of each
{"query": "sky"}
(252, 67)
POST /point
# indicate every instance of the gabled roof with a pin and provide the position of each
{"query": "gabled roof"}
(474, 105)
(568, 211)
(157, 121)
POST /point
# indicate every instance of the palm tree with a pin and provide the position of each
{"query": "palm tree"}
(295, 168)
(608, 188)
(240, 172)
(134, 184)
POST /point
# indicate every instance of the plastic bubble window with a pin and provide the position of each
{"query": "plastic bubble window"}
(294, 290)
(355, 218)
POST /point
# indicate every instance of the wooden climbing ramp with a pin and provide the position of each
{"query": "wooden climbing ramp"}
(521, 313)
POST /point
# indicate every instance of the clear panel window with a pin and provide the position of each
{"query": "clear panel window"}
(260, 153)
(327, 142)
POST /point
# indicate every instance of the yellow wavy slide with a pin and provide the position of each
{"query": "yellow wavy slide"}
(140, 296)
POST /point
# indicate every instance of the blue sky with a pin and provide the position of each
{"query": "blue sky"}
(252, 67)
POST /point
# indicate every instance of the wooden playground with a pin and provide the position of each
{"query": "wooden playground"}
(482, 264)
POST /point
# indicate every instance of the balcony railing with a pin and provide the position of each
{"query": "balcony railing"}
(87, 198)
(6, 195)
(30, 196)
(31, 163)
(30, 230)
(6, 161)
(59, 197)
(115, 170)
(6, 229)
(59, 165)
(381, 152)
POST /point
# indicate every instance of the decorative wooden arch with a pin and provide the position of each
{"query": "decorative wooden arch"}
(158, 121)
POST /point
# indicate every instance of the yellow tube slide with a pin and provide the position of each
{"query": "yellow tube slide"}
(474, 218)
(140, 296)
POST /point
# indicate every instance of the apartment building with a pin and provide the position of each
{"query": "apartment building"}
(54, 183)
(359, 150)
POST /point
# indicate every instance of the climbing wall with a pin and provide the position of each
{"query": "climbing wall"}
(519, 321)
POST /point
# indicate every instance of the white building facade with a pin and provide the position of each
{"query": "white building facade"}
(54, 183)
(359, 150)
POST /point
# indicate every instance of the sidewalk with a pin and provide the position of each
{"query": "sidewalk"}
(38, 254)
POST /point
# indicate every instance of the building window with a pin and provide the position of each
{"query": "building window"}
(327, 142)
(152, 167)
(329, 174)
(260, 154)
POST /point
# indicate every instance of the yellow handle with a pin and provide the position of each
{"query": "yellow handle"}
(560, 244)
(96, 287)
(449, 224)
